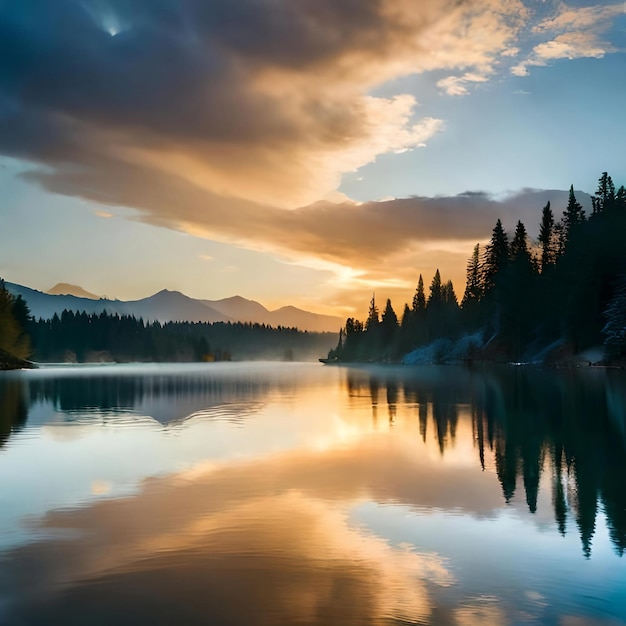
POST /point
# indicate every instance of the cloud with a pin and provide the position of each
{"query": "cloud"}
(577, 33)
(581, 18)
(257, 100)
(456, 85)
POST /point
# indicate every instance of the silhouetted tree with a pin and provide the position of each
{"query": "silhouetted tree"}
(604, 198)
(406, 317)
(435, 297)
(418, 328)
(496, 256)
(519, 246)
(448, 296)
(389, 329)
(372, 316)
(473, 289)
(573, 216)
(389, 318)
(419, 299)
(547, 238)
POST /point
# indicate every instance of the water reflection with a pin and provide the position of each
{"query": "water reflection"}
(220, 557)
(13, 409)
(354, 496)
(569, 423)
(166, 394)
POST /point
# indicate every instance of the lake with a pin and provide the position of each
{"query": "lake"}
(267, 493)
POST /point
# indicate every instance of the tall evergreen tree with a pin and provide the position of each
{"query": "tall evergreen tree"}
(519, 245)
(604, 198)
(573, 216)
(415, 328)
(436, 290)
(496, 256)
(419, 299)
(389, 318)
(389, 327)
(517, 315)
(547, 238)
(473, 287)
(406, 317)
(448, 296)
(372, 315)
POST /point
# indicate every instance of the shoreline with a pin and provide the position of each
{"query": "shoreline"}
(9, 362)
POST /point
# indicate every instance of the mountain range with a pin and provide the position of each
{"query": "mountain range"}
(166, 306)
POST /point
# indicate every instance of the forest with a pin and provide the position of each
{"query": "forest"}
(524, 301)
(81, 337)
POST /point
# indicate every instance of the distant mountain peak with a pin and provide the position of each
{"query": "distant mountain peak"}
(65, 289)
(167, 305)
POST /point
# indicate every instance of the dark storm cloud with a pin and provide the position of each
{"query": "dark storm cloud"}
(181, 68)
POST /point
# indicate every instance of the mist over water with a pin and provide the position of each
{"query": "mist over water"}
(258, 493)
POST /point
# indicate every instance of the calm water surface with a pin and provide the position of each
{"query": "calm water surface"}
(303, 494)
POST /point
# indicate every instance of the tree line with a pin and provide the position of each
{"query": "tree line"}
(82, 337)
(556, 297)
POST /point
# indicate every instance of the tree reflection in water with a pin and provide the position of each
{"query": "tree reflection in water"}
(571, 423)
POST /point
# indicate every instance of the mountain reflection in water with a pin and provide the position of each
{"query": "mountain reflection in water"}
(302, 494)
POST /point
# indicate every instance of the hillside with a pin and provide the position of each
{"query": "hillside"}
(166, 306)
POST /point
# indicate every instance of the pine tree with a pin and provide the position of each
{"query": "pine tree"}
(604, 198)
(448, 296)
(516, 307)
(406, 317)
(496, 256)
(436, 296)
(389, 318)
(419, 299)
(473, 288)
(519, 245)
(372, 316)
(389, 326)
(547, 238)
(573, 216)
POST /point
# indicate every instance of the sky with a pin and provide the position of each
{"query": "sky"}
(305, 152)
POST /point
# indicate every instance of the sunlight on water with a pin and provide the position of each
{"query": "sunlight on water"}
(293, 493)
